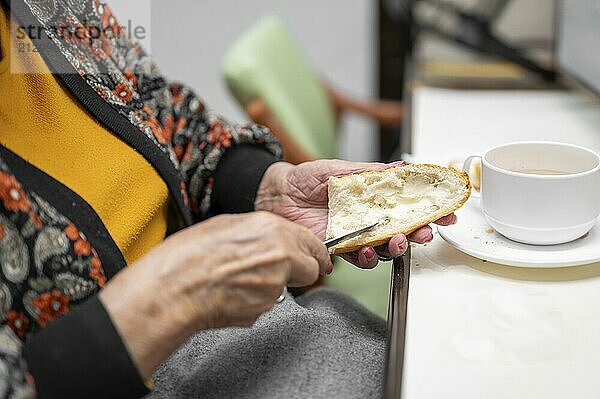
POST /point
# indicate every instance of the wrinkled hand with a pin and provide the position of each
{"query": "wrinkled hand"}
(299, 193)
(223, 272)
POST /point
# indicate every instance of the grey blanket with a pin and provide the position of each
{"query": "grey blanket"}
(320, 345)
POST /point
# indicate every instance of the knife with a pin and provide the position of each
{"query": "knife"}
(335, 241)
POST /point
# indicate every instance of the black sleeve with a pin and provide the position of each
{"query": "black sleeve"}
(238, 176)
(201, 140)
(81, 355)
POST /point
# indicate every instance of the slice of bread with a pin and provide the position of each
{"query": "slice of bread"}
(402, 198)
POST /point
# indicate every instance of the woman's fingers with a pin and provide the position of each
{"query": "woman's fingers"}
(422, 235)
(394, 248)
(365, 258)
(397, 245)
(446, 220)
(313, 258)
(304, 271)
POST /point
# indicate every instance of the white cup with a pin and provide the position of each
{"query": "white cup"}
(524, 201)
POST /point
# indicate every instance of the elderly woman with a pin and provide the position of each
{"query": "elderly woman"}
(101, 159)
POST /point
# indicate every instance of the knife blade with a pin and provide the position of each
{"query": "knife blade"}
(335, 241)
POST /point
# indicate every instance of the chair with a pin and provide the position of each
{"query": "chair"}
(271, 79)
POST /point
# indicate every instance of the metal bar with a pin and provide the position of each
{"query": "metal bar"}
(396, 326)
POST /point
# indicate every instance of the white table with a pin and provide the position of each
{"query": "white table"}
(482, 330)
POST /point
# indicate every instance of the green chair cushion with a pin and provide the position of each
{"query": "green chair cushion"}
(369, 287)
(267, 63)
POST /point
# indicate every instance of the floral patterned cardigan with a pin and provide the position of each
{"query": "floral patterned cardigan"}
(56, 339)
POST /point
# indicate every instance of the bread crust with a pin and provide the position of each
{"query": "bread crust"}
(373, 242)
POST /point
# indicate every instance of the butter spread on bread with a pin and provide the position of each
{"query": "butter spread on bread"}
(402, 199)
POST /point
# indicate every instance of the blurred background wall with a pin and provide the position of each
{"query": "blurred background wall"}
(189, 38)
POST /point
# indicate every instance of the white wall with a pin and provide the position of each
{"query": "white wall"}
(189, 38)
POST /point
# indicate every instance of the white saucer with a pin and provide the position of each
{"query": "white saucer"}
(472, 235)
